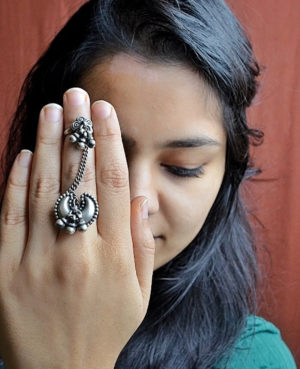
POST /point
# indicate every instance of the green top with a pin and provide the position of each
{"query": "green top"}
(259, 347)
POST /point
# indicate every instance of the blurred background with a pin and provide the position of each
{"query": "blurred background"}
(27, 27)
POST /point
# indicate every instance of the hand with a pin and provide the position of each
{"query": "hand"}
(72, 301)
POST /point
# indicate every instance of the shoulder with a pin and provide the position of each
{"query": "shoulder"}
(260, 346)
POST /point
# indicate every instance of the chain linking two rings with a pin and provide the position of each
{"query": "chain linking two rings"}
(70, 213)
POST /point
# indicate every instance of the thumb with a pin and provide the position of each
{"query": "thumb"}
(143, 246)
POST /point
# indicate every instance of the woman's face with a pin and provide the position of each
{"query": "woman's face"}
(157, 105)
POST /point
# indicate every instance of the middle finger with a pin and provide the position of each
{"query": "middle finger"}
(76, 102)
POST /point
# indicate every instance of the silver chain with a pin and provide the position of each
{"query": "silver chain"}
(70, 213)
(81, 170)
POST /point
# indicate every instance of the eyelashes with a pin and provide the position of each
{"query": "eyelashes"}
(184, 172)
(179, 171)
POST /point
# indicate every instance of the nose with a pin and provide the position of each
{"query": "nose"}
(143, 182)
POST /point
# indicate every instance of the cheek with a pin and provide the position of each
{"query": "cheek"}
(191, 207)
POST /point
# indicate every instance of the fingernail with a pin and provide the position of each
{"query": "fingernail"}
(75, 97)
(102, 109)
(144, 207)
(24, 158)
(53, 113)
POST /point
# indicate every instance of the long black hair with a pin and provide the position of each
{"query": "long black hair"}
(200, 300)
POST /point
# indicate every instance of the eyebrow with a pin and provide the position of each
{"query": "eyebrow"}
(185, 142)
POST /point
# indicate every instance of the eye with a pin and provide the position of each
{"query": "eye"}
(184, 172)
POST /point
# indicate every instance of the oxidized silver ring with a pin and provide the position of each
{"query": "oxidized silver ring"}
(70, 213)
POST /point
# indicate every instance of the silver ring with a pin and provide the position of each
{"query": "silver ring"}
(70, 213)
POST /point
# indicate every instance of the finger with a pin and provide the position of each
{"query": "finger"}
(143, 247)
(45, 177)
(14, 212)
(112, 178)
(77, 103)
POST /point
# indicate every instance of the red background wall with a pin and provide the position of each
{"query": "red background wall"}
(26, 28)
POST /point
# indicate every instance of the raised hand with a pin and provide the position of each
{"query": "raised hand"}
(72, 301)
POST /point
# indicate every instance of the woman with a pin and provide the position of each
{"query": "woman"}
(168, 286)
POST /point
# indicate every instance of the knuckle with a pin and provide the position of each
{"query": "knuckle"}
(73, 271)
(14, 184)
(12, 215)
(89, 173)
(47, 140)
(149, 245)
(45, 186)
(115, 177)
(72, 170)
(108, 136)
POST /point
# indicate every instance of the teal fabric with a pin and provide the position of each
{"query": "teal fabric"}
(259, 347)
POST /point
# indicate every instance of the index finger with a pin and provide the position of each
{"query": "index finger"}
(111, 176)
